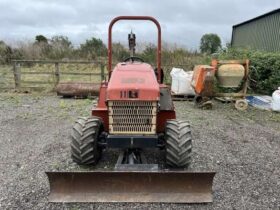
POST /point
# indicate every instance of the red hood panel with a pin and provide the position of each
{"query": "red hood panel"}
(139, 77)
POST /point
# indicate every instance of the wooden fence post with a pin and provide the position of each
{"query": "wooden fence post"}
(57, 73)
(17, 75)
(102, 72)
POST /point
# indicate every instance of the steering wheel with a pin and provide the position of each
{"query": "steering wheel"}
(134, 58)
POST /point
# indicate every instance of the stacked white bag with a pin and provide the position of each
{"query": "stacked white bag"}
(275, 104)
(181, 82)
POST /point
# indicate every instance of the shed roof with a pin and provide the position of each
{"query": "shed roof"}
(258, 17)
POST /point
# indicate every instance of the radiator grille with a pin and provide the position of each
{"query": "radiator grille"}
(132, 117)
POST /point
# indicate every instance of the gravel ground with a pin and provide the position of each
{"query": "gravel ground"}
(242, 147)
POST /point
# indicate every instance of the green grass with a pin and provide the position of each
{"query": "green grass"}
(6, 77)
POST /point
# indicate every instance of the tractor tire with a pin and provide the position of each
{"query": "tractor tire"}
(84, 139)
(178, 143)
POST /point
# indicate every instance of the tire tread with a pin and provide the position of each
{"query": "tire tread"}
(178, 143)
(84, 137)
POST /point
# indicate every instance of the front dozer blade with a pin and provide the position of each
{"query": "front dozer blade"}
(124, 186)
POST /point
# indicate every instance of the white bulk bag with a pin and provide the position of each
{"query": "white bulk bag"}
(275, 104)
(181, 82)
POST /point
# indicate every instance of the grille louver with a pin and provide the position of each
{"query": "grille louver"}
(132, 117)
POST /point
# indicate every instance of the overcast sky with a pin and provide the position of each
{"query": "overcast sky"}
(182, 21)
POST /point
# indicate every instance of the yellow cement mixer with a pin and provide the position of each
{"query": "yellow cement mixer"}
(228, 75)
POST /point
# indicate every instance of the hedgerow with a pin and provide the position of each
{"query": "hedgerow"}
(264, 68)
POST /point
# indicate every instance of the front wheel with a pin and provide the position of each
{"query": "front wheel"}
(178, 143)
(84, 141)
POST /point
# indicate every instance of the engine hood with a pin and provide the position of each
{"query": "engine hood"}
(133, 81)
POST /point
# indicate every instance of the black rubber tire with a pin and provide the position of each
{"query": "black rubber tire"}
(178, 143)
(84, 138)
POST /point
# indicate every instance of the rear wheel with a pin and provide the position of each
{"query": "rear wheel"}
(178, 143)
(84, 147)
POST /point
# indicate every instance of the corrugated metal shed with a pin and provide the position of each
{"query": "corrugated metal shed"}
(261, 33)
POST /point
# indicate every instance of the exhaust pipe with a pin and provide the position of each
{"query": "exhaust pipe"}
(131, 186)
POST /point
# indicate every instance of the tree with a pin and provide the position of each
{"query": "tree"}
(93, 48)
(150, 53)
(41, 39)
(210, 43)
(6, 53)
(119, 52)
(60, 47)
(40, 47)
(61, 41)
